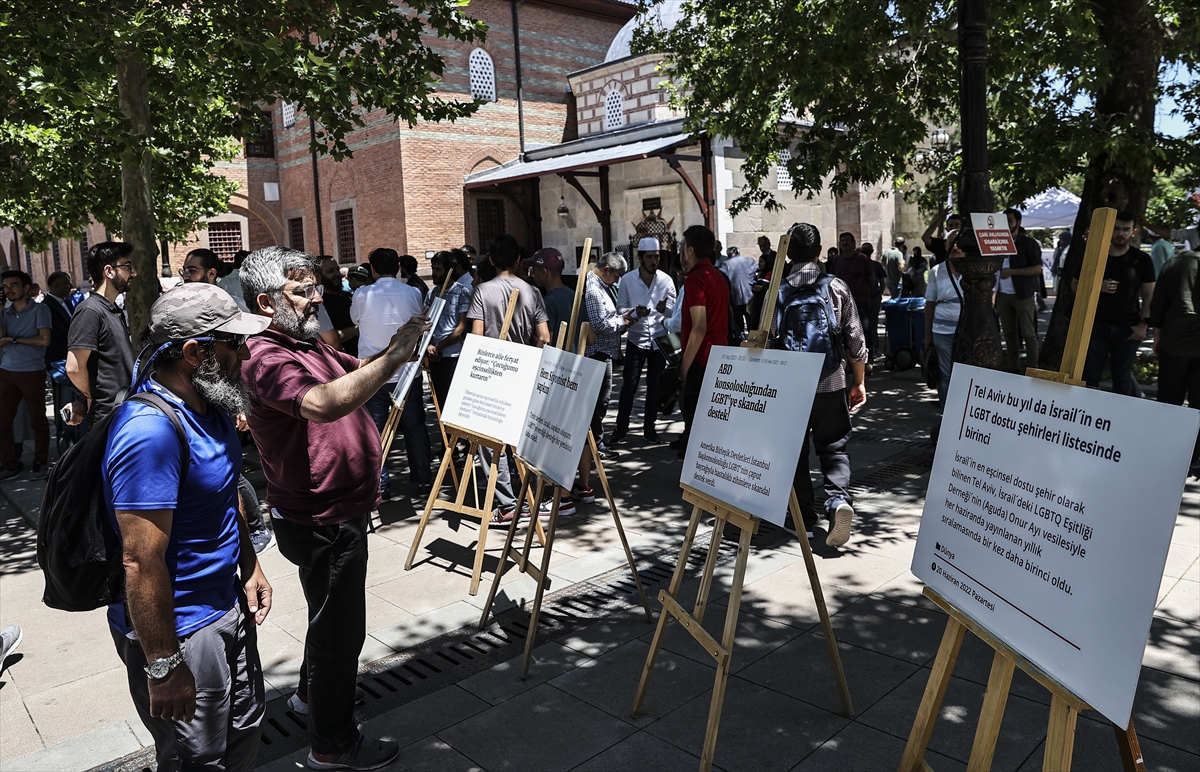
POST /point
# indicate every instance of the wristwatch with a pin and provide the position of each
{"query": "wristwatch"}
(161, 668)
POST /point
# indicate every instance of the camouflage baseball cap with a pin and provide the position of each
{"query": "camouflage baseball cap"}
(196, 309)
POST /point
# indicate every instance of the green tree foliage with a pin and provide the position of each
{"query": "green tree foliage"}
(852, 89)
(118, 109)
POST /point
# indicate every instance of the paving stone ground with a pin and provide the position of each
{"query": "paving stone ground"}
(64, 704)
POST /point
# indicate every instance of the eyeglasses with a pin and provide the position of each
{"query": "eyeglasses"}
(189, 270)
(235, 342)
(306, 291)
(126, 266)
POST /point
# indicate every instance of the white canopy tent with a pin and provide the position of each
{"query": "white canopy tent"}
(1054, 208)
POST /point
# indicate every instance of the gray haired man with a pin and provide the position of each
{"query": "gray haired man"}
(321, 455)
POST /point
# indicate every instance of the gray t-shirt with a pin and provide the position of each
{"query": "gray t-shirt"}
(558, 308)
(489, 302)
(22, 357)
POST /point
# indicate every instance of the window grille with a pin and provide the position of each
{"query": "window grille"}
(296, 233)
(490, 212)
(84, 246)
(344, 221)
(483, 75)
(614, 110)
(56, 254)
(289, 114)
(262, 146)
(783, 180)
(225, 238)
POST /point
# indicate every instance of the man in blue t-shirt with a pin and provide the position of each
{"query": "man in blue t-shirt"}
(187, 642)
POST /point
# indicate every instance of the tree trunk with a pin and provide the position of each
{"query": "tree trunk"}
(137, 208)
(1121, 179)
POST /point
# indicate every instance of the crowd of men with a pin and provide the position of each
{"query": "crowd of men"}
(279, 348)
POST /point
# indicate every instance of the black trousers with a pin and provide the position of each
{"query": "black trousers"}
(1179, 379)
(441, 373)
(829, 431)
(333, 573)
(635, 359)
(691, 397)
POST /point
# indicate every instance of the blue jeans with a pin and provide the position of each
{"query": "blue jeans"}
(1111, 342)
(412, 426)
(943, 344)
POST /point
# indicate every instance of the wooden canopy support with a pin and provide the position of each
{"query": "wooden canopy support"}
(602, 212)
(704, 193)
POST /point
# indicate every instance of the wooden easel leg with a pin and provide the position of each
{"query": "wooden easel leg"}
(1060, 736)
(541, 589)
(710, 567)
(612, 506)
(534, 502)
(447, 459)
(663, 617)
(388, 435)
(508, 540)
(935, 691)
(484, 521)
(988, 729)
(814, 581)
(1131, 749)
(727, 639)
(541, 489)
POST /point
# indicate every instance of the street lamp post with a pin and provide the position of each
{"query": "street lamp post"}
(977, 341)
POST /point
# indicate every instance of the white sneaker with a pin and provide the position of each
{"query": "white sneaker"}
(840, 521)
(566, 507)
(10, 639)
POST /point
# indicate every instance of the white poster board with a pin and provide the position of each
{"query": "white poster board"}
(560, 411)
(491, 388)
(409, 370)
(750, 422)
(1047, 520)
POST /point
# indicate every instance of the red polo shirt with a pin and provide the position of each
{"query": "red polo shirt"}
(705, 286)
(317, 474)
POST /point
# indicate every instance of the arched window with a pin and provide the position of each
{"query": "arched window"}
(483, 76)
(783, 180)
(614, 110)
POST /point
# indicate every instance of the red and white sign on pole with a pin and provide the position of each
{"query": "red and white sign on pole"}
(991, 231)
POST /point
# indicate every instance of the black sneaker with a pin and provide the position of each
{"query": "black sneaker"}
(7, 473)
(651, 436)
(367, 753)
(618, 437)
(37, 471)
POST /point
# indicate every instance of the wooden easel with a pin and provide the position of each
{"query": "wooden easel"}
(747, 524)
(521, 559)
(475, 441)
(1064, 705)
(388, 435)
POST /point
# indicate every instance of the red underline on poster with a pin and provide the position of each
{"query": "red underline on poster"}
(970, 391)
(1006, 600)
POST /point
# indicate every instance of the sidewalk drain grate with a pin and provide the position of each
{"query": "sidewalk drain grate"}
(452, 657)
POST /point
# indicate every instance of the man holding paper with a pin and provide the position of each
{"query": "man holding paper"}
(650, 294)
(379, 309)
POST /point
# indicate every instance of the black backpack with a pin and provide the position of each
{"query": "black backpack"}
(806, 321)
(78, 549)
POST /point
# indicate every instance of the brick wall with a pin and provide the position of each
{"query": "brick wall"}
(636, 79)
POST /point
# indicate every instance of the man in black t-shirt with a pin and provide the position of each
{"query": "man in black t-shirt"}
(1122, 310)
(99, 351)
(337, 304)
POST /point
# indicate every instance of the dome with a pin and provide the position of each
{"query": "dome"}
(665, 15)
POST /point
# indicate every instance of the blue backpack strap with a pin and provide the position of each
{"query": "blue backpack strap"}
(185, 455)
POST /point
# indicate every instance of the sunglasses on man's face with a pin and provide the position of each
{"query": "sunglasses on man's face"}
(235, 342)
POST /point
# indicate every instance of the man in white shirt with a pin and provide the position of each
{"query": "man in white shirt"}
(379, 309)
(650, 294)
